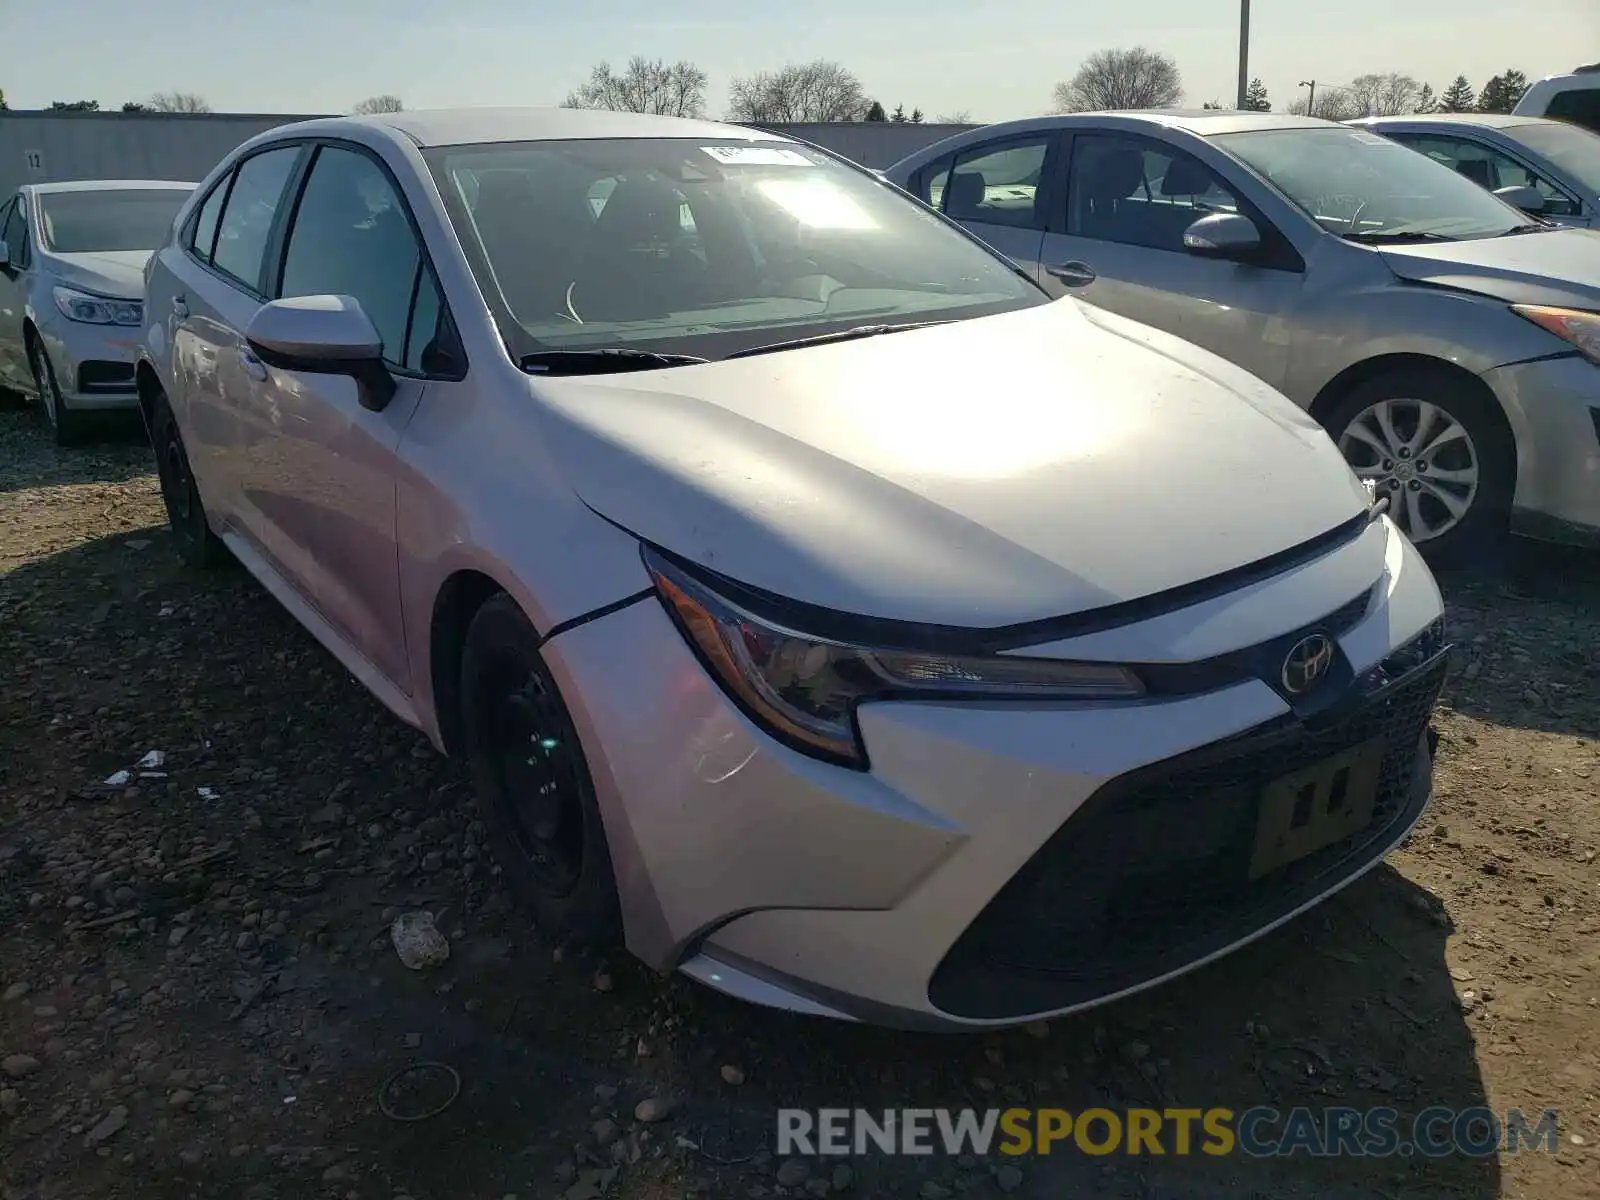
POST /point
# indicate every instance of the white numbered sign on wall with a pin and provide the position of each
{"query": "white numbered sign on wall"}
(33, 160)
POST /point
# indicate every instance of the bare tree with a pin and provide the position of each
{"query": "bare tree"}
(378, 104)
(646, 86)
(1113, 79)
(1383, 95)
(1333, 104)
(961, 116)
(177, 102)
(819, 91)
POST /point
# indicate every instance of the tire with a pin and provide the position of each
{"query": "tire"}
(66, 426)
(1450, 481)
(186, 513)
(533, 782)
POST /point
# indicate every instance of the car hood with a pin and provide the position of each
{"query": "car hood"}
(1011, 468)
(1560, 267)
(118, 273)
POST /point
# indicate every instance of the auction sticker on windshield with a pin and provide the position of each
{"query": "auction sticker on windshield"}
(757, 156)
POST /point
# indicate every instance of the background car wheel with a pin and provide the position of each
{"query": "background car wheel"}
(65, 425)
(186, 515)
(1439, 449)
(533, 781)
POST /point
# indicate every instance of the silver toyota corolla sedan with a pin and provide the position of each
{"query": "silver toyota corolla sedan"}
(819, 606)
(1448, 342)
(72, 260)
(1548, 168)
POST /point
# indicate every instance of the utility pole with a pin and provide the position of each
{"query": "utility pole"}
(1244, 53)
(1311, 98)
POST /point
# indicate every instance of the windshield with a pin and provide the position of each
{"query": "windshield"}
(704, 247)
(1576, 151)
(113, 219)
(1359, 184)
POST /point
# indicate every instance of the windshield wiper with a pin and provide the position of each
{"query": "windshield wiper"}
(603, 361)
(822, 339)
(1392, 237)
(1529, 227)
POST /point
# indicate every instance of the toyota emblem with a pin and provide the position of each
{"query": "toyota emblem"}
(1307, 663)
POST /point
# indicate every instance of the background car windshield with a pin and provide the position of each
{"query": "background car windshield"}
(98, 221)
(1352, 181)
(705, 246)
(1576, 151)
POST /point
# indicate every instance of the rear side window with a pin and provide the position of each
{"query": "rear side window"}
(247, 219)
(205, 225)
(1581, 106)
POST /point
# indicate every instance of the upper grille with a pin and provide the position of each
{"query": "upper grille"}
(1152, 872)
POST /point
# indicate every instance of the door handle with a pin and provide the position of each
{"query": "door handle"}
(180, 307)
(252, 365)
(1073, 274)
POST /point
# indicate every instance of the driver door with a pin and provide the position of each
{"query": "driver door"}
(14, 370)
(1119, 245)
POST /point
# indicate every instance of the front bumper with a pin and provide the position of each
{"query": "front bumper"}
(954, 884)
(1554, 406)
(93, 364)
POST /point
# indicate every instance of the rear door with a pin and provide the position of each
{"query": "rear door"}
(322, 469)
(1117, 242)
(215, 288)
(999, 191)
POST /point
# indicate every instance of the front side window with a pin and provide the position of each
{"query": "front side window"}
(98, 221)
(1130, 191)
(1365, 187)
(14, 232)
(252, 204)
(703, 246)
(351, 237)
(996, 185)
(1488, 168)
(1576, 151)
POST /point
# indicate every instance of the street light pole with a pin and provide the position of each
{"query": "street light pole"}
(1311, 97)
(1244, 52)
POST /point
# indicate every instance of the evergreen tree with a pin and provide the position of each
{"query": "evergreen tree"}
(1255, 97)
(1426, 101)
(1500, 94)
(1458, 97)
(875, 112)
(899, 117)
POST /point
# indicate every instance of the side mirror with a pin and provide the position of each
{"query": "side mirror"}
(1528, 199)
(325, 335)
(1232, 236)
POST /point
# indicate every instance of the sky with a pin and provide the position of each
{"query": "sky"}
(993, 61)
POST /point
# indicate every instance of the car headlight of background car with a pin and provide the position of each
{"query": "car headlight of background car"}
(1573, 325)
(97, 310)
(803, 689)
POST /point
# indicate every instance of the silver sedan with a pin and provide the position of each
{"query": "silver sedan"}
(1449, 343)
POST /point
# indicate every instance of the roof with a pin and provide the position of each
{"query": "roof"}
(108, 185)
(467, 126)
(1204, 122)
(1477, 119)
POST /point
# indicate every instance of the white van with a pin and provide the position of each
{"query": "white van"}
(1574, 97)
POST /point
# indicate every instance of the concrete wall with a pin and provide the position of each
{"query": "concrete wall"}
(49, 147)
(44, 147)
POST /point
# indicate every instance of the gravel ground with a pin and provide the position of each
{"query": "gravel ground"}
(198, 995)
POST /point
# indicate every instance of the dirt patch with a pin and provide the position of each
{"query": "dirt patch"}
(200, 996)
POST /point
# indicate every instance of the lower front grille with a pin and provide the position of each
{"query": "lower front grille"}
(1153, 871)
(95, 376)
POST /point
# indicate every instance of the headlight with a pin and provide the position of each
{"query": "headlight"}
(97, 310)
(804, 689)
(1573, 325)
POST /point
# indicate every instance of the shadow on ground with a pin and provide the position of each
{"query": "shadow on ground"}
(114, 449)
(116, 648)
